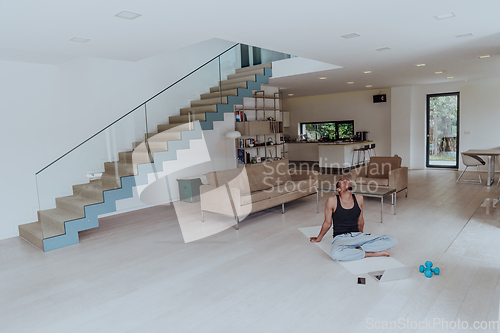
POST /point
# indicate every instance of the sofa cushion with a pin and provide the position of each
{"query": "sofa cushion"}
(236, 178)
(278, 172)
(268, 174)
(254, 197)
(370, 181)
(294, 186)
(268, 193)
(279, 199)
(380, 166)
(257, 179)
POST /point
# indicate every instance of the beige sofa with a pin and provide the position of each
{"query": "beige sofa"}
(384, 172)
(242, 191)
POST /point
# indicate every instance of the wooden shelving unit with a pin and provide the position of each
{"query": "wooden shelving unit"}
(261, 128)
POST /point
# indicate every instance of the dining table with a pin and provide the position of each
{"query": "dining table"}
(492, 154)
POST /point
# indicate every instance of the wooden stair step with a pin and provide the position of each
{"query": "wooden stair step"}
(112, 179)
(253, 71)
(54, 219)
(251, 68)
(231, 92)
(94, 189)
(242, 85)
(122, 168)
(186, 118)
(33, 233)
(164, 136)
(76, 203)
(199, 109)
(208, 101)
(175, 127)
(245, 78)
(135, 157)
(141, 148)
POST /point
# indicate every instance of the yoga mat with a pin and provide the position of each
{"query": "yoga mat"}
(356, 267)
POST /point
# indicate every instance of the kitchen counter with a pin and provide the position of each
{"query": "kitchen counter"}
(326, 153)
(342, 143)
(339, 156)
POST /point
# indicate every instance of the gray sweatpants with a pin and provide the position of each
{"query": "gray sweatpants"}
(345, 246)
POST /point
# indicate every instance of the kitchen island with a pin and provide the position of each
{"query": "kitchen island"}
(337, 156)
(328, 155)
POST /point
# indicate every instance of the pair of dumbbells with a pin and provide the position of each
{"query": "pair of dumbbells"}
(428, 270)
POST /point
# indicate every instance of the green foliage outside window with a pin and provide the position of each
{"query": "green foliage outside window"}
(318, 131)
(346, 130)
(329, 131)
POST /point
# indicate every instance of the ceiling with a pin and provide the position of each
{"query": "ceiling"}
(39, 31)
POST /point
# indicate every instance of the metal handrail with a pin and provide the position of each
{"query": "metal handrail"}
(142, 104)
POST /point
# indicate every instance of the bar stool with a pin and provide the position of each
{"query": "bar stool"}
(357, 152)
(371, 150)
(366, 153)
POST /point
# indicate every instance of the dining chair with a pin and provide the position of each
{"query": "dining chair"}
(471, 161)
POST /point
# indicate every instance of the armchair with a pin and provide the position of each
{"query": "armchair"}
(384, 172)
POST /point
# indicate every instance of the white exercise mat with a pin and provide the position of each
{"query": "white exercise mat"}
(356, 267)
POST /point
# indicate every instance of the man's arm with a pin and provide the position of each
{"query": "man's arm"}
(361, 220)
(330, 206)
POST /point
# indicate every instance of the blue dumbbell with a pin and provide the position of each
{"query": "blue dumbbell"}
(428, 270)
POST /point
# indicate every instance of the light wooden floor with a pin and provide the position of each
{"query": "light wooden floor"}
(135, 274)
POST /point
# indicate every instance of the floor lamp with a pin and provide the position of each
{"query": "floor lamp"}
(232, 135)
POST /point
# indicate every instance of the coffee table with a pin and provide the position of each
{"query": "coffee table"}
(373, 191)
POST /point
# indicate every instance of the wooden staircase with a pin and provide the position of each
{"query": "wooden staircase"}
(80, 210)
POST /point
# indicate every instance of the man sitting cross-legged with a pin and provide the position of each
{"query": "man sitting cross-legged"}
(349, 242)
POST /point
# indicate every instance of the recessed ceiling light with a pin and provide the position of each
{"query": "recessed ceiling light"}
(369, 86)
(449, 77)
(349, 36)
(127, 15)
(464, 35)
(350, 82)
(79, 39)
(420, 65)
(484, 56)
(438, 72)
(322, 78)
(290, 94)
(367, 72)
(386, 48)
(444, 16)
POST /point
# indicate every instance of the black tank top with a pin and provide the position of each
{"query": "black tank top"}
(345, 220)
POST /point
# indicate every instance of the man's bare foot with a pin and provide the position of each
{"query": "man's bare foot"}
(377, 254)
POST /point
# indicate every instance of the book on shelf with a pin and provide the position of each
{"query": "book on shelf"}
(240, 116)
(241, 156)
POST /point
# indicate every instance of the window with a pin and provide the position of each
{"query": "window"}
(327, 131)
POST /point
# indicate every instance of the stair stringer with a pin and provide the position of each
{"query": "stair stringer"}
(90, 221)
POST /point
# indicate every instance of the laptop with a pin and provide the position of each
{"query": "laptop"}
(392, 274)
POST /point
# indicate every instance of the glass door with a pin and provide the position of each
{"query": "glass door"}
(442, 130)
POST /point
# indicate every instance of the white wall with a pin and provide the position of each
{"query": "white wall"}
(401, 123)
(47, 110)
(357, 106)
(479, 115)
